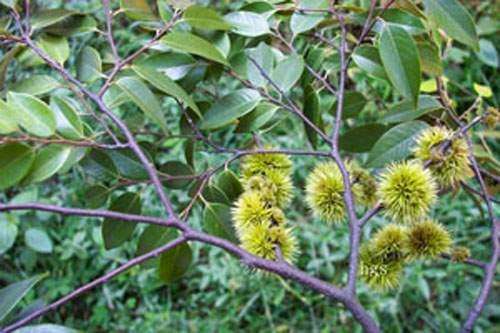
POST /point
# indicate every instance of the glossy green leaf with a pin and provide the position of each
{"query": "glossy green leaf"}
(304, 21)
(175, 263)
(362, 138)
(354, 103)
(153, 237)
(229, 183)
(13, 293)
(405, 111)
(395, 144)
(488, 53)
(68, 122)
(35, 85)
(115, 96)
(48, 17)
(137, 10)
(128, 164)
(48, 162)
(117, 232)
(264, 57)
(88, 65)
(176, 169)
(312, 111)
(229, 108)
(174, 65)
(399, 55)
(217, 221)
(288, 72)
(248, 24)
(99, 165)
(205, 18)
(8, 122)
(257, 118)
(38, 240)
(430, 59)
(140, 94)
(56, 47)
(166, 85)
(8, 234)
(96, 196)
(368, 59)
(393, 16)
(454, 19)
(15, 162)
(32, 114)
(189, 43)
(73, 26)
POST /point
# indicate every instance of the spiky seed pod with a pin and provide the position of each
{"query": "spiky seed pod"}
(460, 254)
(407, 191)
(324, 192)
(390, 242)
(275, 187)
(262, 164)
(249, 209)
(450, 167)
(427, 239)
(261, 240)
(493, 118)
(377, 272)
(363, 183)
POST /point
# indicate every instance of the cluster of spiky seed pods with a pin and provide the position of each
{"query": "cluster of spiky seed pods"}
(258, 213)
(407, 190)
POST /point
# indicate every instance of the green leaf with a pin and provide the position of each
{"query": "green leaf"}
(176, 168)
(38, 240)
(88, 65)
(68, 122)
(166, 85)
(304, 21)
(115, 96)
(395, 144)
(96, 196)
(117, 232)
(205, 18)
(312, 111)
(73, 25)
(264, 57)
(405, 111)
(174, 65)
(48, 17)
(217, 221)
(488, 53)
(32, 114)
(140, 94)
(229, 108)
(175, 263)
(229, 183)
(256, 119)
(48, 162)
(362, 138)
(288, 72)
(368, 59)
(46, 328)
(248, 24)
(454, 19)
(396, 17)
(399, 55)
(15, 162)
(153, 237)
(56, 47)
(354, 103)
(35, 85)
(100, 165)
(8, 234)
(137, 10)
(13, 293)
(189, 43)
(430, 59)
(7, 119)
(128, 164)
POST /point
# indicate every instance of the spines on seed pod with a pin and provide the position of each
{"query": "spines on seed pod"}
(364, 185)
(427, 239)
(378, 272)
